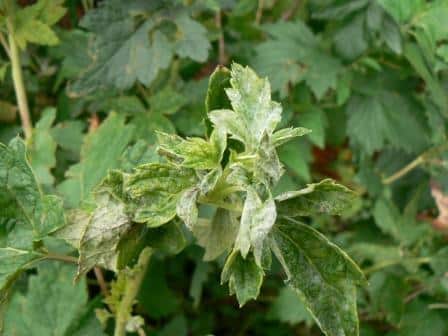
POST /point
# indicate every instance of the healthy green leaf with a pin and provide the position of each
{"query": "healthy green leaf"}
(38, 311)
(21, 198)
(101, 151)
(42, 148)
(293, 55)
(33, 23)
(122, 48)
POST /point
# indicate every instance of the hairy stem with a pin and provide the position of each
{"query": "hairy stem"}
(133, 283)
(403, 171)
(17, 78)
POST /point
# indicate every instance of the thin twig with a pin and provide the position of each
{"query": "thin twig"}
(403, 171)
(290, 12)
(259, 12)
(221, 42)
(17, 78)
(101, 282)
(438, 305)
(60, 257)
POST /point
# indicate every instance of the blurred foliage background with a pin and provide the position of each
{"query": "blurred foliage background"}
(369, 77)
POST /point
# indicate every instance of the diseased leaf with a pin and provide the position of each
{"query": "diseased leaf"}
(257, 220)
(217, 235)
(286, 134)
(323, 197)
(186, 207)
(105, 227)
(154, 190)
(194, 152)
(254, 113)
(321, 273)
(244, 276)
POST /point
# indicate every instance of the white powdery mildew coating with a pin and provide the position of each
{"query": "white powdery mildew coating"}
(257, 220)
(103, 232)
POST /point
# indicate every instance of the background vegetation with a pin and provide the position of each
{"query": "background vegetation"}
(368, 77)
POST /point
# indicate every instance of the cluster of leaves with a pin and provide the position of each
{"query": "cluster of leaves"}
(125, 162)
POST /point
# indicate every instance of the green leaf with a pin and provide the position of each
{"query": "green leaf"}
(244, 276)
(297, 156)
(402, 11)
(42, 148)
(415, 57)
(388, 293)
(216, 95)
(13, 262)
(321, 273)
(350, 41)
(68, 135)
(293, 55)
(100, 152)
(168, 238)
(42, 302)
(167, 101)
(21, 198)
(217, 235)
(326, 197)
(373, 121)
(315, 120)
(287, 308)
(155, 190)
(257, 220)
(124, 52)
(33, 23)
(254, 113)
(191, 40)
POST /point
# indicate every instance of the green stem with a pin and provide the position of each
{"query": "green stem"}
(133, 283)
(60, 257)
(392, 262)
(403, 171)
(17, 78)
